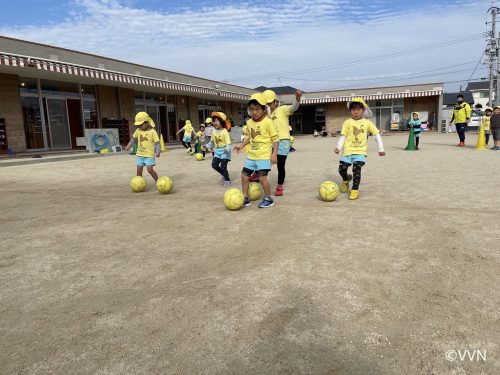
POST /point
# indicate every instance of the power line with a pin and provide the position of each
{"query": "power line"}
(478, 62)
(369, 85)
(402, 75)
(351, 62)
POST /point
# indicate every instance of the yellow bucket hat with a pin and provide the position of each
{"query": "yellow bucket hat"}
(260, 98)
(416, 113)
(368, 112)
(142, 117)
(220, 115)
(270, 96)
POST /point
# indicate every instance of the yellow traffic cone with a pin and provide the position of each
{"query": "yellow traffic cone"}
(162, 143)
(481, 139)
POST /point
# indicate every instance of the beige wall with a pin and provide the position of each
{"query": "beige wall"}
(429, 104)
(193, 111)
(11, 110)
(107, 98)
(127, 106)
(181, 106)
(336, 114)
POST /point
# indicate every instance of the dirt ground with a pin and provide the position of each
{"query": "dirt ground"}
(96, 279)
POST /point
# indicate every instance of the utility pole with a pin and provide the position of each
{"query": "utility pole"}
(491, 53)
(494, 59)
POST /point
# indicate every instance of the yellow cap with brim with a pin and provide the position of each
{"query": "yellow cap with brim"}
(368, 112)
(270, 96)
(415, 113)
(219, 114)
(208, 120)
(260, 98)
(141, 118)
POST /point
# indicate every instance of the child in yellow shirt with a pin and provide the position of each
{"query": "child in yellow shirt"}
(186, 139)
(263, 148)
(148, 144)
(485, 121)
(354, 143)
(221, 145)
(200, 140)
(280, 115)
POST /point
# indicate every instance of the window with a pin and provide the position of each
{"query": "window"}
(320, 114)
(90, 114)
(28, 85)
(484, 94)
(58, 86)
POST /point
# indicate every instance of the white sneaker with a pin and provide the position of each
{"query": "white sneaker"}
(227, 183)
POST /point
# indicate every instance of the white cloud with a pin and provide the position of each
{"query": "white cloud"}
(237, 42)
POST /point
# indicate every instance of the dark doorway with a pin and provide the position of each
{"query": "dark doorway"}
(75, 122)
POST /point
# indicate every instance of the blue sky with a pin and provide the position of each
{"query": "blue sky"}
(314, 44)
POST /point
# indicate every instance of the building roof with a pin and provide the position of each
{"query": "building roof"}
(450, 98)
(281, 90)
(479, 85)
(374, 93)
(37, 60)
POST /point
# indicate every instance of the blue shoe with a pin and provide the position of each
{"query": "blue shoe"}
(247, 202)
(266, 202)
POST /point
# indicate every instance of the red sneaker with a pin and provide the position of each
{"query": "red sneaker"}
(279, 191)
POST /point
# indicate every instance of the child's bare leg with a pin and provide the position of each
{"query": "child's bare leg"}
(244, 184)
(265, 185)
(139, 171)
(152, 172)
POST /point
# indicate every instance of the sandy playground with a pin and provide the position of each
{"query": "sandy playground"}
(98, 280)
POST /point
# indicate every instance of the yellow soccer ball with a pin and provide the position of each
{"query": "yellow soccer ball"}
(328, 191)
(164, 184)
(254, 191)
(104, 151)
(138, 184)
(233, 199)
(199, 156)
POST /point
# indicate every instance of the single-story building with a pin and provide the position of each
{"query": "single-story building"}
(50, 95)
(391, 107)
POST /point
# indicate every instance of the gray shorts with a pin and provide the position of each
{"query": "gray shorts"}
(496, 134)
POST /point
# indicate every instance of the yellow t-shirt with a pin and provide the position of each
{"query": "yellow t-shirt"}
(485, 121)
(188, 130)
(200, 136)
(220, 138)
(280, 119)
(146, 142)
(262, 135)
(356, 134)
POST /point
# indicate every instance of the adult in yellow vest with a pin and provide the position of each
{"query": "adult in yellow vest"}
(461, 117)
